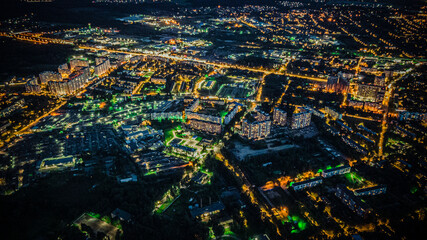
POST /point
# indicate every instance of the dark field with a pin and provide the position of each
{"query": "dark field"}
(23, 59)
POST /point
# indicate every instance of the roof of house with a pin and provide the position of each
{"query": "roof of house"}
(369, 188)
(122, 214)
(217, 206)
(307, 181)
(336, 169)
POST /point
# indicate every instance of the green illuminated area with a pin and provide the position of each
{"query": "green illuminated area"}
(163, 207)
(106, 219)
(172, 133)
(392, 141)
(355, 181)
(209, 80)
(298, 224)
(328, 167)
(172, 118)
(187, 140)
(216, 83)
(151, 172)
(169, 135)
(147, 74)
(223, 113)
(167, 200)
(353, 178)
(227, 231)
(211, 233)
(95, 215)
(232, 91)
(150, 88)
(205, 171)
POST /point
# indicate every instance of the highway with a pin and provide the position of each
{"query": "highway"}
(22, 130)
(384, 124)
(249, 190)
(358, 117)
(203, 61)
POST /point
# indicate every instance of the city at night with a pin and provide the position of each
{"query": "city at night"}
(213, 119)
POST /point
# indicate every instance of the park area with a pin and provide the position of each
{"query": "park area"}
(226, 91)
(178, 137)
(97, 226)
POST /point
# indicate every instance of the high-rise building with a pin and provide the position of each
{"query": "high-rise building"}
(261, 115)
(337, 84)
(372, 106)
(208, 121)
(64, 70)
(230, 115)
(32, 87)
(191, 113)
(70, 85)
(203, 117)
(346, 75)
(75, 63)
(301, 118)
(99, 60)
(332, 80)
(58, 87)
(380, 80)
(388, 74)
(279, 117)
(315, 112)
(81, 76)
(367, 92)
(380, 95)
(47, 76)
(254, 130)
(355, 104)
(102, 66)
(205, 126)
(193, 105)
